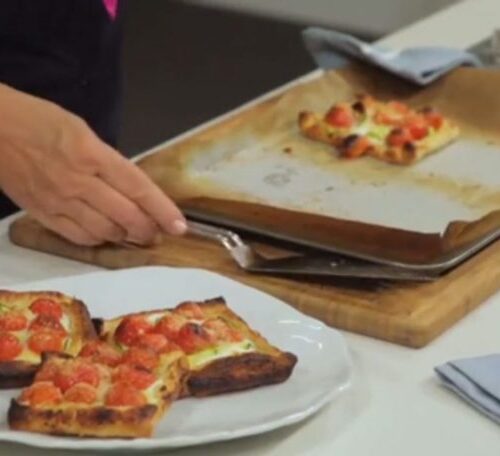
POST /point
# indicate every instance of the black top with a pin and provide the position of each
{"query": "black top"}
(66, 51)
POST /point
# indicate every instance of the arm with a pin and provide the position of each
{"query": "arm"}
(54, 166)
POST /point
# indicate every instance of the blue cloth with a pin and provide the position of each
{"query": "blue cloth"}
(421, 65)
(477, 381)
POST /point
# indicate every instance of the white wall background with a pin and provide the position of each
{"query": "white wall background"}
(371, 17)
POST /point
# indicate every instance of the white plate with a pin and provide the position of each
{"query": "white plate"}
(322, 372)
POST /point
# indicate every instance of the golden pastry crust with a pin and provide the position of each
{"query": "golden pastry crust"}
(238, 373)
(100, 421)
(16, 374)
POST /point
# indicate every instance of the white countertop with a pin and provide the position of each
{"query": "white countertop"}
(374, 18)
(396, 406)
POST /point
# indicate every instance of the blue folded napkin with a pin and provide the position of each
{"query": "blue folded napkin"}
(477, 381)
(422, 65)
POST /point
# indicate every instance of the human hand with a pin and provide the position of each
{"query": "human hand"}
(55, 167)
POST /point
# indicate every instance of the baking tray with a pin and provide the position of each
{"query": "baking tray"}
(254, 171)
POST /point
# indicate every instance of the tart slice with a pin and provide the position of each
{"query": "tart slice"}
(223, 353)
(82, 397)
(389, 131)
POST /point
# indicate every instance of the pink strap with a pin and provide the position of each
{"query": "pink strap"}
(111, 7)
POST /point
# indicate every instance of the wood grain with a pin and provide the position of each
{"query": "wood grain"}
(409, 314)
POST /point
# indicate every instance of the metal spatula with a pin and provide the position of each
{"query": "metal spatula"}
(318, 265)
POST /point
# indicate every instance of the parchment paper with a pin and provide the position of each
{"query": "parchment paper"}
(260, 157)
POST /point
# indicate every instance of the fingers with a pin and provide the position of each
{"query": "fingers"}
(93, 222)
(67, 228)
(134, 184)
(97, 206)
(81, 224)
(124, 213)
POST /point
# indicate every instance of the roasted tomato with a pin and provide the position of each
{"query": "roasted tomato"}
(81, 393)
(124, 395)
(78, 371)
(170, 347)
(170, 325)
(399, 107)
(134, 376)
(154, 341)
(87, 373)
(190, 310)
(13, 321)
(399, 137)
(193, 337)
(434, 119)
(355, 146)
(340, 116)
(388, 118)
(144, 358)
(221, 331)
(49, 322)
(46, 340)
(418, 131)
(41, 393)
(130, 328)
(10, 347)
(417, 126)
(101, 352)
(47, 306)
(47, 372)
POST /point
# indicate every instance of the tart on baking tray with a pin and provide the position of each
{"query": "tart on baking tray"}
(388, 131)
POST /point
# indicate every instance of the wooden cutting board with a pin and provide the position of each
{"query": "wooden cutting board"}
(410, 314)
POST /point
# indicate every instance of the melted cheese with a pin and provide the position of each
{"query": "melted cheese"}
(153, 318)
(375, 132)
(151, 393)
(28, 355)
(204, 357)
(66, 323)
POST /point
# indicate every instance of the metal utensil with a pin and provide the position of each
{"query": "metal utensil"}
(321, 265)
